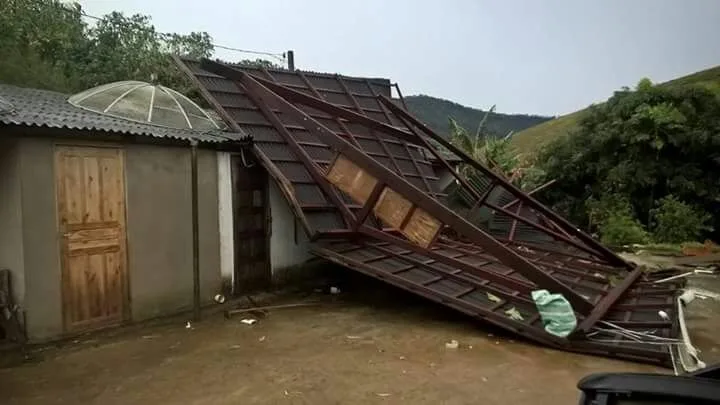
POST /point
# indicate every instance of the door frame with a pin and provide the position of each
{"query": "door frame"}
(126, 314)
(236, 159)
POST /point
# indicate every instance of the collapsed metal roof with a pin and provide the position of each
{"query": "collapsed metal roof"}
(349, 161)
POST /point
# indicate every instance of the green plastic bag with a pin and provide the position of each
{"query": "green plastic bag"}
(556, 312)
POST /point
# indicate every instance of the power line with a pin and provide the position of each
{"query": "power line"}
(279, 56)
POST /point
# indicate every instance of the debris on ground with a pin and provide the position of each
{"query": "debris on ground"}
(248, 321)
(513, 313)
(453, 344)
(188, 325)
(262, 311)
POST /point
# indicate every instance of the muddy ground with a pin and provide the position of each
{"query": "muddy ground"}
(371, 345)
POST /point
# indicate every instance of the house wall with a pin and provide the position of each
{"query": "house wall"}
(43, 298)
(159, 231)
(225, 218)
(11, 240)
(286, 255)
(445, 177)
(159, 225)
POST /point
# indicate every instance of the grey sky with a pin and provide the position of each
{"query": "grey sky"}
(544, 57)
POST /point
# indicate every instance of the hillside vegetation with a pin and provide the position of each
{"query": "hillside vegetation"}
(641, 166)
(533, 138)
(435, 113)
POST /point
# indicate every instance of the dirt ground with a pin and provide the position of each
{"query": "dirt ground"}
(372, 345)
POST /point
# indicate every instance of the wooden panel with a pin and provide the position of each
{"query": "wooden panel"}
(392, 208)
(91, 212)
(113, 199)
(91, 179)
(351, 179)
(421, 228)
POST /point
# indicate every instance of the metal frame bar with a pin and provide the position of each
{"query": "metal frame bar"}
(456, 275)
(587, 239)
(312, 167)
(512, 283)
(367, 209)
(413, 137)
(608, 301)
(281, 100)
(409, 191)
(457, 303)
(285, 187)
(531, 192)
(340, 123)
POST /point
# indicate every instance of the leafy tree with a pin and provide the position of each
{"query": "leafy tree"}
(495, 153)
(674, 221)
(620, 229)
(642, 144)
(39, 42)
(260, 63)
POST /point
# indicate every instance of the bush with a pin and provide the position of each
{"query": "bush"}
(644, 145)
(621, 229)
(616, 223)
(674, 221)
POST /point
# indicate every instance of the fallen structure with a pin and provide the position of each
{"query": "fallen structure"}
(353, 164)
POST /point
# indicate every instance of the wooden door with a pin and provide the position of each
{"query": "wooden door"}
(91, 212)
(251, 233)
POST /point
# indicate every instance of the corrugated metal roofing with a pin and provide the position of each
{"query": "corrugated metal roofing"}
(353, 93)
(484, 295)
(42, 108)
(302, 124)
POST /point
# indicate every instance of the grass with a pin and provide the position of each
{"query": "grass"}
(532, 139)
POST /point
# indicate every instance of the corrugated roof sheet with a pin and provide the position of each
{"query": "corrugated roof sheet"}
(49, 109)
(487, 276)
(353, 93)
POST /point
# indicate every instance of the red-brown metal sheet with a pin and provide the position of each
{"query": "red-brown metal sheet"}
(303, 122)
(494, 301)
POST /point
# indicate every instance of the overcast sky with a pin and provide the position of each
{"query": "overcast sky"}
(544, 57)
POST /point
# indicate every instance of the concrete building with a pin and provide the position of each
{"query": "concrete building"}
(96, 215)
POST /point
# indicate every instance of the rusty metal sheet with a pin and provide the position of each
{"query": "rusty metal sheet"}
(487, 277)
(347, 91)
(497, 304)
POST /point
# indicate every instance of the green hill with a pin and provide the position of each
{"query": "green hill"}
(534, 137)
(435, 112)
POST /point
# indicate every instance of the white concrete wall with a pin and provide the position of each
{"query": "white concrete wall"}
(445, 177)
(284, 251)
(225, 216)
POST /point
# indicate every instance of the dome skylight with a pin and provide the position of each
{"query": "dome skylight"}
(146, 103)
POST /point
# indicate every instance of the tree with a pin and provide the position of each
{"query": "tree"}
(643, 145)
(46, 44)
(39, 42)
(259, 63)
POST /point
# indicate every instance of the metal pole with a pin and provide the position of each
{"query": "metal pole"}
(195, 230)
(291, 60)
